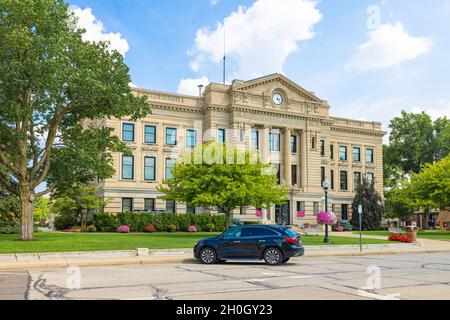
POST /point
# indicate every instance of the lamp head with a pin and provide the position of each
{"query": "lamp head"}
(326, 184)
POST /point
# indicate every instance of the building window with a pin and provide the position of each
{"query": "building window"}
(313, 142)
(294, 175)
(149, 205)
(128, 167)
(300, 206)
(322, 148)
(370, 178)
(127, 204)
(149, 168)
(369, 155)
(128, 132)
(356, 180)
(241, 135)
(344, 182)
(332, 179)
(331, 152)
(171, 206)
(277, 168)
(220, 210)
(255, 139)
(322, 175)
(150, 134)
(191, 138)
(294, 144)
(190, 209)
(242, 210)
(274, 141)
(344, 211)
(221, 136)
(343, 153)
(357, 154)
(171, 136)
(169, 166)
(316, 208)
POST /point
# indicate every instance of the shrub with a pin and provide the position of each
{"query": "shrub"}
(171, 228)
(248, 223)
(192, 229)
(199, 229)
(150, 228)
(209, 227)
(65, 221)
(235, 222)
(105, 222)
(91, 228)
(11, 229)
(344, 224)
(123, 229)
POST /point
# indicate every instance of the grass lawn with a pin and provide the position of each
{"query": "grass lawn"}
(427, 234)
(70, 242)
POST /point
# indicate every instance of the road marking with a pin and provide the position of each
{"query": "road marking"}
(367, 294)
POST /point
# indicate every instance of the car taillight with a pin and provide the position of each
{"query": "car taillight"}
(291, 240)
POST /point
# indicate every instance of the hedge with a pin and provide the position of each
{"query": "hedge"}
(107, 222)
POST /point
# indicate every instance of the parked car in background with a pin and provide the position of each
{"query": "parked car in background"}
(274, 244)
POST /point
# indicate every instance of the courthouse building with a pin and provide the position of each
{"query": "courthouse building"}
(291, 127)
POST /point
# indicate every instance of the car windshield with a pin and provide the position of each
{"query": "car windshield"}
(291, 233)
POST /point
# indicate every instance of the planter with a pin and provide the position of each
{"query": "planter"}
(412, 234)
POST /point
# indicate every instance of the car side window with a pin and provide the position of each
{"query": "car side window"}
(258, 232)
(233, 233)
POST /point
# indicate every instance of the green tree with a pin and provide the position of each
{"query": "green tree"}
(372, 203)
(415, 140)
(398, 204)
(79, 203)
(42, 208)
(219, 176)
(50, 81)
(431, 187)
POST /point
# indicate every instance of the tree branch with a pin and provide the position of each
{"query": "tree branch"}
(7, 164)
(44, 192)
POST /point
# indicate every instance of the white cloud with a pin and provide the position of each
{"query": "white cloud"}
(259, 38)
(441, 110)
(189, 86)
(214, 2)
(95, 31)
(389, 45)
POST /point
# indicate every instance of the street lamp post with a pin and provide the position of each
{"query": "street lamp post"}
(326, 185)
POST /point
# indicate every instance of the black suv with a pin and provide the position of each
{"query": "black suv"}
(274, 244)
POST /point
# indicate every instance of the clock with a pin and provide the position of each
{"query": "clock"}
(277, 98)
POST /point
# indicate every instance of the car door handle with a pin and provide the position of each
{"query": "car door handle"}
(261, 241)
(237, 242)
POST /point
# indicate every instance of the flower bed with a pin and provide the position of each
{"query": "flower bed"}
(400, 238)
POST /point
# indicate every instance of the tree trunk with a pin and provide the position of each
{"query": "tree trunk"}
(26, 213)
(227, 219)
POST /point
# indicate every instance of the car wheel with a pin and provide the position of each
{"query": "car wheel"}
(286, 260)
(273, 256)
(208, 256)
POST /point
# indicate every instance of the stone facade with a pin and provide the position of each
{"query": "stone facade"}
(291, 127)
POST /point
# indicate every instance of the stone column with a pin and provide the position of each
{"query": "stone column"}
(264, 147)
(287, 157)
(303, 156)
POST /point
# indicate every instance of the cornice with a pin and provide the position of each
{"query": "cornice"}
(358, 131)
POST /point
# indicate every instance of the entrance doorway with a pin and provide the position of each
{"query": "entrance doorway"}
(283, 213)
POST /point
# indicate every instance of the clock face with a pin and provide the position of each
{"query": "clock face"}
(277, 98)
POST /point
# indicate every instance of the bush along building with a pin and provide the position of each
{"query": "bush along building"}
(291, 128)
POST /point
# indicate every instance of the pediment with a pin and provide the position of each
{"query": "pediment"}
(268, 84)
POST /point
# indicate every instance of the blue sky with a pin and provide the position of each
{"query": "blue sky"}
(369, 59)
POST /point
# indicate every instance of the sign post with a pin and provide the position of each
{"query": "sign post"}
(360, 212)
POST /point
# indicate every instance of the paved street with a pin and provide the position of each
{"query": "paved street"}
(412, 276)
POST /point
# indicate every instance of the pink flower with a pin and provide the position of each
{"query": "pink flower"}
(192, 229)
(327, 218)
(123, 229)
(300, 214)
(259, 213)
